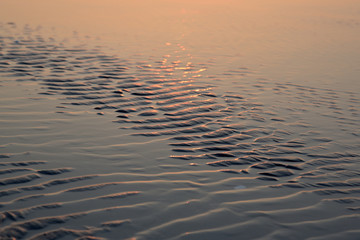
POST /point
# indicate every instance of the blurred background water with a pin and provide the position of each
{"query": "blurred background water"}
(312, 42)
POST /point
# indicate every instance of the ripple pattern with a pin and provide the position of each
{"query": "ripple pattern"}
(259, 159)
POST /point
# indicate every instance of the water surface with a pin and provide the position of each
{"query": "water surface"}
(179, 119)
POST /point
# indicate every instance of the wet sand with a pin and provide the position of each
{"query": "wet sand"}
(172, 142)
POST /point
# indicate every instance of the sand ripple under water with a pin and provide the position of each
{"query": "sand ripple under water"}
(94, 146)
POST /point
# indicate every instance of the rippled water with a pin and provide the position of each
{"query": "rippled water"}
(181, 120)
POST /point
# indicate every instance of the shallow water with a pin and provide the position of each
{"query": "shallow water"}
(181, 120)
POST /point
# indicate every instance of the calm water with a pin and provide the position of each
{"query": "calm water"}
(179, 119)
(299, 41)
